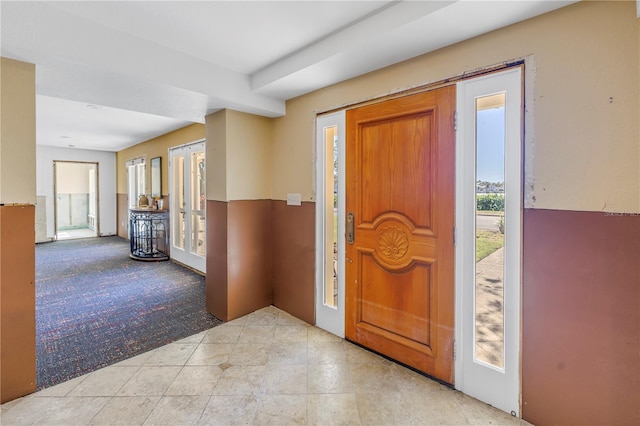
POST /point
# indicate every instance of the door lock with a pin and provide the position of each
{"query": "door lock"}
(350, 234)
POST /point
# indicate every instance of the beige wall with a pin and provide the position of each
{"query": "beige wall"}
(156, 147)
(18, 132)
(73, 178)
(248, 156)
(585, 151)
(238, 156)
(217, 156)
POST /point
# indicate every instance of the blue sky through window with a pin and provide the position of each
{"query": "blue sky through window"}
(490, 145)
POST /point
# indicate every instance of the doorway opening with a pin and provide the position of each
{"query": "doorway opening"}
(75, 200)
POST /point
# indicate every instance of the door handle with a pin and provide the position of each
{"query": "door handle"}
(350, 234)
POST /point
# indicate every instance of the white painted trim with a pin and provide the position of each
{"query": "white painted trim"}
(500, 388)
(185, 255)
(328, 318)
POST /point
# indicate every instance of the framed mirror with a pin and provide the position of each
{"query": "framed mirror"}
(156, 177)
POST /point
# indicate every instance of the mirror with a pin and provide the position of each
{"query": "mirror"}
(156, 177)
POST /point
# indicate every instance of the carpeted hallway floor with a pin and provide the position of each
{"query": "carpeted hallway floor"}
(95, 306)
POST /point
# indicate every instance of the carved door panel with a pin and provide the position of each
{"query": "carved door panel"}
(400, 191)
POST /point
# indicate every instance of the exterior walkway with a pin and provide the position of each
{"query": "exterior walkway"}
(490, 308)
(265, 368)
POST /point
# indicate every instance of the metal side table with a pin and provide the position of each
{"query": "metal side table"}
(148, 234)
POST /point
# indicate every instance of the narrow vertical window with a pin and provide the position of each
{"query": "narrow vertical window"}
(330, 222)
(179, 205)
(489, 221)
(331, 217)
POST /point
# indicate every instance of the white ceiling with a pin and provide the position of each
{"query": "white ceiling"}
(113, 74)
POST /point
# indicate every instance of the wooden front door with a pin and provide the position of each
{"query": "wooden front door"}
(400, 208)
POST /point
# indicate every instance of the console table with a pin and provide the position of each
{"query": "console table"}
(148, 234)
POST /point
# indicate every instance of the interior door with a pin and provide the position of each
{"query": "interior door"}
(400, 217)
(187, 198)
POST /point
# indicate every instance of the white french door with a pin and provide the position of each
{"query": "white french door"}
(187, 198)
(488, 230)
(330, 222)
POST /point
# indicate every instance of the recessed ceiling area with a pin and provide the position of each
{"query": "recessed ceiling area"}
(113, 74)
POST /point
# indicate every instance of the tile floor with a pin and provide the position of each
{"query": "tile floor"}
(265, 368)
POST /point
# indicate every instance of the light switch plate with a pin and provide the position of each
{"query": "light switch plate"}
(294, 200)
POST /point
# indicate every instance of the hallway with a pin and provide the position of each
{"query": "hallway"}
(264, 368)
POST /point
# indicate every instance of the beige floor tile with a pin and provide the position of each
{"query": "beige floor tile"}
(357, 355)
(439, 407)
(225, 333)
(290, 333)
(237, 321)
(282, 410)
(288, 353)
(196, 338)
(28, 410)
(63, 388)
(195, 380)
(150, 381)
(265, 316)
(320, 352)
(333, 409)
(329, 378)
(104, 382)
(288, 319)
(412, 382)
(265, 368)
(478, 413)
(285, 379)
(74, 411)
(230, 410)
(177, 410)
(126, 410)
(257, 334)
(314, 334)
(249, 354)
(172, 354)
(137, 360)
(210, 354)
(368, 378)
(389, 408)
(241, 380)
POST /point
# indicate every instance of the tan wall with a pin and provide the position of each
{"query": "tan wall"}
(73, 178)
(18, 132)
(217, 156)
(248, 156)
(238, 156)
(586, 149)
(156, 147)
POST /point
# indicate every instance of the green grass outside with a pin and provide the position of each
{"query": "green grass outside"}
(487, 242)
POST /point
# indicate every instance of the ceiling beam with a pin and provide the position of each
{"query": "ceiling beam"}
(120, 57)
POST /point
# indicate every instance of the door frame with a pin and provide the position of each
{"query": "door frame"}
(198, 263)
(327, 317)
(527, 65)
(500, 387)
(55, 194)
